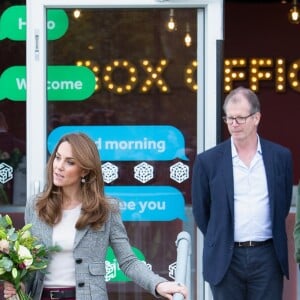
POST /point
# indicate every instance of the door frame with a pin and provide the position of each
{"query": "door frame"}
(209, 30)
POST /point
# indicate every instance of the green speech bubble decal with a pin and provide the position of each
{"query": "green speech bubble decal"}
(65, 83)
(113, 271)
(13, 83)
(70, 83)
(13, 23)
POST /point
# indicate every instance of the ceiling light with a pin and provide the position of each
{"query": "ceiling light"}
(294, 13)
(171, 25)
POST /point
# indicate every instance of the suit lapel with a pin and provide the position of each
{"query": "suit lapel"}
(269, 168)
(227, 173)
(79, 235)
(46, 231)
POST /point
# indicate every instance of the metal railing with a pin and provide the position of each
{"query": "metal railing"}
(183, 263)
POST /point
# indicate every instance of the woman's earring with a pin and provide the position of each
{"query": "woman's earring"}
(83, 180)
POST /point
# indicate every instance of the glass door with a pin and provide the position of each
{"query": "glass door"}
(135, 78)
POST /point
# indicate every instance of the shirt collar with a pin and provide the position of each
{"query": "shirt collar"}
(234, 151)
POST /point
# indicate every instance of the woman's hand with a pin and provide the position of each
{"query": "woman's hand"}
(8, 290)
(168, 288)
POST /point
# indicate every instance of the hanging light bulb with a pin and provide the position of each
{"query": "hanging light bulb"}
(171, 25)
(76, 13)
(187, 37)
(294, 13)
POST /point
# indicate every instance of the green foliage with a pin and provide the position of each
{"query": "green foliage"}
(20, 254)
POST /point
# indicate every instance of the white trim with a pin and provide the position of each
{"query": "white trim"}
(214, 32)
(128, 4)
(207, 106)
(35, 99)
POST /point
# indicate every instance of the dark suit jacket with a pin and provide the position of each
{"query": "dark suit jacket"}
(213, 204)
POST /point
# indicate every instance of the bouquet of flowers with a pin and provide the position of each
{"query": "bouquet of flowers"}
(20, 254)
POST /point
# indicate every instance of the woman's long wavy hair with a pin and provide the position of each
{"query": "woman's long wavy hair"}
(95, 207)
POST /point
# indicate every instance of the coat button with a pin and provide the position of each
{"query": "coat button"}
(78, 260)
(81, 284)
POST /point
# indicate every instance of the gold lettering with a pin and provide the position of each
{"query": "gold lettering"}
(108, 79)
(189, 76)
(293, 75)
(280, 81)
(256, 72)
(230, 74)
(154, 76)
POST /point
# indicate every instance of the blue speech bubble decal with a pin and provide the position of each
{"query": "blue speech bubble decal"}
(148, 203)
(129, 142)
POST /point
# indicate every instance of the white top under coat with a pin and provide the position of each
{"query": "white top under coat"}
(252, 221)
(62, 266)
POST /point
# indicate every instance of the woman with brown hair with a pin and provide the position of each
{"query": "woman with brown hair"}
(74, 214)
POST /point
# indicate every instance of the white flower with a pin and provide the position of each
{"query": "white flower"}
(25, 255)
(4, 246)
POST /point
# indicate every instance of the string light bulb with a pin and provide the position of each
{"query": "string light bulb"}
(171, 25)
(294, 13)
(76, 13)
(187, 37)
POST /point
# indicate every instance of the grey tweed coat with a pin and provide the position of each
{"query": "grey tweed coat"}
(89, 253)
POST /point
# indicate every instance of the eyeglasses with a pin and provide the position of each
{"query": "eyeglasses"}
(238, 120)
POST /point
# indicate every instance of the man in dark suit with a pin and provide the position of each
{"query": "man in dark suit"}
(241, 195)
